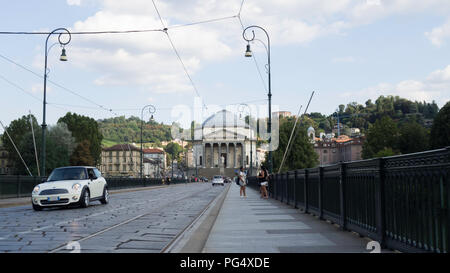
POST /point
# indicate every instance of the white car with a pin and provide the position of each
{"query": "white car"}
(70, 186)
(218, 180)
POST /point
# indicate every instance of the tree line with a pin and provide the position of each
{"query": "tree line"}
(126, 130)
(390, 126)
(74, 140)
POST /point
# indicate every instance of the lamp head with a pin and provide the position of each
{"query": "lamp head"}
(248, 52)
(63, 57)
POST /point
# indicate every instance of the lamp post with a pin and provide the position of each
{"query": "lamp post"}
(63, 58)
(151, 110)
(248, 53)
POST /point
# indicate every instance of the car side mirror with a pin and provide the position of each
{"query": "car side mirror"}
(43, 180)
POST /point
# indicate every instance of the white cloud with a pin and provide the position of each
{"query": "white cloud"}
(147, 58)
(73, 2)
(434, 87)
(438, 35)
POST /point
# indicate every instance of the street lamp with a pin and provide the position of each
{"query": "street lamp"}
(151, 110)
(248, 53)
(63, 58)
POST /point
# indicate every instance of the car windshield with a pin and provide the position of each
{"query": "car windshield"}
(67, 174)
(217, 177)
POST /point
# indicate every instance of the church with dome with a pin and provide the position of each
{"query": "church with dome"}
(223, 143)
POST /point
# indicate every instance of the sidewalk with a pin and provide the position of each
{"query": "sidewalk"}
(254, 225)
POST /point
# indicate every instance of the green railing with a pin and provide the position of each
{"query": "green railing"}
(401, 201)
(22, 186)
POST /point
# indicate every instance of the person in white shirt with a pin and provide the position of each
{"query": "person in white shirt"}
(242, 182)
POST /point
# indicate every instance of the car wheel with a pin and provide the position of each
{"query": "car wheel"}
(37, 207)
(85, 199)
(105, 198)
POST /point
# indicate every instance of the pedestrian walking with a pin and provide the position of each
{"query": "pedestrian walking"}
(263, 179)
(242, 182)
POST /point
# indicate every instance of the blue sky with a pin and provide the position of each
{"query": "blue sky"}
(344, 50)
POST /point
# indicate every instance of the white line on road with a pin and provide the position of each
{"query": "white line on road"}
(98, 233)
(79, 219)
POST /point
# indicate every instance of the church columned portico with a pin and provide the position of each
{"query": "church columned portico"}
(222, 155)
(223, 144)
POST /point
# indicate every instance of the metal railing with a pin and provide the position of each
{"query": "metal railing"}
(22, 186)
(401, 201)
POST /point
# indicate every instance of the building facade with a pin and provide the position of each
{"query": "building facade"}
(333, 150)
(284, 114)
(222, 144)
(121, 160)
(155, 162)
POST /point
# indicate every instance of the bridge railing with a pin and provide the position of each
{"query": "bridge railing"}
(401, 201)
(13, 186)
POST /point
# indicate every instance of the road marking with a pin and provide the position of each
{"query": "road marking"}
(80, 218)
(98, 233)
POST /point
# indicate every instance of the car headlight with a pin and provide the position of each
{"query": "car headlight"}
(76, 186)
(36, 189)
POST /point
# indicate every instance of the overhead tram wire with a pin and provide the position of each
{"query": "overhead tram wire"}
(253, 55)
(80, 32)
(165, 30)
(57, 84)
(177, 54)
(28, 93)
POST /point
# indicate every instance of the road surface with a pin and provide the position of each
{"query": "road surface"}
(140, 221)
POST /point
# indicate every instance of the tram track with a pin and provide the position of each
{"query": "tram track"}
(156, 210)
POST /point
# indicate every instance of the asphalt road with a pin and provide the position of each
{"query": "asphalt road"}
(141, 221)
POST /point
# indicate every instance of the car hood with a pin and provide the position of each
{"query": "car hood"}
(62, 184)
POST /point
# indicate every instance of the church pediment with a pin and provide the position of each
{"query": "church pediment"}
(224, 134)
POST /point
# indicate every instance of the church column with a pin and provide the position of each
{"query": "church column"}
(212, 155)
(243, 154)
(204, 156)
(228, 157)
(235, 155)
(219, 159)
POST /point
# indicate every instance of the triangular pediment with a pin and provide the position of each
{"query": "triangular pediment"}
(225, 135)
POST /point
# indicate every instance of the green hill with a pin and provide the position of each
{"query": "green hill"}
(125, 130)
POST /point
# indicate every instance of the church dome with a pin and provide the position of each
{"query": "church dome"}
(222, 119)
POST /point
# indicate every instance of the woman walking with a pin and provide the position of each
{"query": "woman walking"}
(263, 178)
(242, 182)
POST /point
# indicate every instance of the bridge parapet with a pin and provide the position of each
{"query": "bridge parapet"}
(400, 201)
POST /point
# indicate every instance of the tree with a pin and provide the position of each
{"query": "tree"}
(382, 135)
(413, 138)
(85, 128)
(302, 154)
(60, 145)
(20, 130)
(59, 142)
(81, 156)
(440, 131)
(174, 150)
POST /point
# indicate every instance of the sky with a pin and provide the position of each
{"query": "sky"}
(343, 50)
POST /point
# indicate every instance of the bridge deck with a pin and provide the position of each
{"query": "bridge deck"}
(255, 225)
